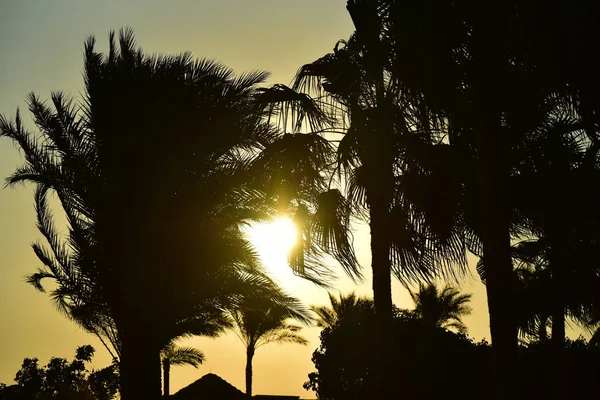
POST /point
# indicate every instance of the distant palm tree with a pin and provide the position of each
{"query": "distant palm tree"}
(444, 308)
(175, 355)
(346, 308)
(261, 320)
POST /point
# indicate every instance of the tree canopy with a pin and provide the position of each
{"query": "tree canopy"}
(61, 379)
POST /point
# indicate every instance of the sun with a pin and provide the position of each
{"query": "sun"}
(273, 241)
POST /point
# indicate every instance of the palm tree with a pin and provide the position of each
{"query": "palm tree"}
(382, 152)
(486, 71)
(444, 307)
(175, 355)
(214, 323)
(186, 132)
(453, 78)
(263, 320)
(346, 308)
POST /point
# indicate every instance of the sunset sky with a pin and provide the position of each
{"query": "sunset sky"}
(41, 44)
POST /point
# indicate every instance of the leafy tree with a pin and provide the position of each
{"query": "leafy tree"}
(345, 362)
(105, 382)
(442, 308)
(175, 355)
(442, 363)
(263, 320)
(186, 132)
(61, 379)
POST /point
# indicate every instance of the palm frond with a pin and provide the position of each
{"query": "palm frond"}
(295, 110)
(443, 307)
(176, 355)
(331, 230)
(348, 308)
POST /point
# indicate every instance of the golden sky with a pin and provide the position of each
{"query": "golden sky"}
(41, 45)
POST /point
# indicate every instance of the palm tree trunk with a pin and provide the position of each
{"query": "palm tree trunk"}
(489, 58)
(166, 377)
(495, 232)
(249, 356)
(382, 296)
(498, 269)
(558, 309)
(558, 334)
(140, 369)
(558, 324)
(382, 281)
(542, 329)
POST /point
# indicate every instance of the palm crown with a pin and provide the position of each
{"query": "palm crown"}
(261, 320)
(172, 354)
(442, 307)
(346, 308)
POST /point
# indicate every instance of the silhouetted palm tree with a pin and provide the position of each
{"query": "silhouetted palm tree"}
(490, 74)
(175, 355)
(443, 307)
(382, 151)
(346, 308)
(152, 172)
(262, 320)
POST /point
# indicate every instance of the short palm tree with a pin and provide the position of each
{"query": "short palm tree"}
(346, 308)
(175, 355)
(262, 320)
(444, 308)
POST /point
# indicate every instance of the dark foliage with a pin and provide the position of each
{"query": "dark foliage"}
(434, 363)
(63, 380)
(152, 172)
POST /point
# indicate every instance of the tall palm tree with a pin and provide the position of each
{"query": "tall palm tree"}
(185, 131)
(382, 152)
(453, 77)
(176, 355)
(443, 307)
(263, 320)
(487, 71)
(346, 308)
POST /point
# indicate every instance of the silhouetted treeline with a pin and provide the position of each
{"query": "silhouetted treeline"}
(433, 363)
(458, 127)
(63, 380)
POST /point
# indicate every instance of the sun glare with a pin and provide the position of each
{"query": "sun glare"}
(273, 241)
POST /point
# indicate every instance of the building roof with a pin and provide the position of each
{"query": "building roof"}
(210, 387)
